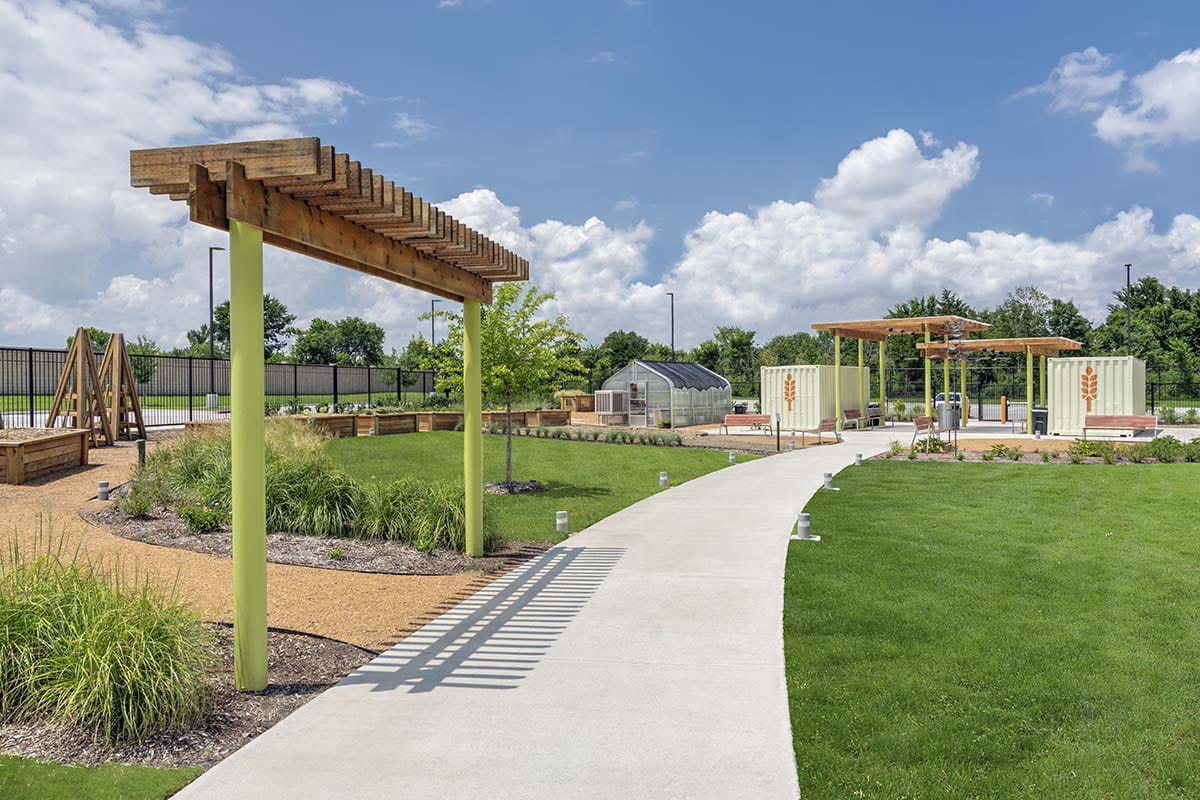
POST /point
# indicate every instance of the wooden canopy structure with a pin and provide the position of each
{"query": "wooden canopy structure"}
(310, 199)
(1041, 346)
(947, 326)
(315, 201)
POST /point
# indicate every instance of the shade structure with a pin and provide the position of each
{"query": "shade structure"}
(302, 196)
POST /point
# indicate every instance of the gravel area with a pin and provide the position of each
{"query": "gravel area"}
(13, 435)
(165, 528)
(301, 667)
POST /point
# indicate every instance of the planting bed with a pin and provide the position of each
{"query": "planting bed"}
(336, 425)
(387, 424)
(27, 453)
(301, 667)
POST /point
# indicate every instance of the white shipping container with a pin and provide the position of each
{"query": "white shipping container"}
(803, 394)
(1076, 387)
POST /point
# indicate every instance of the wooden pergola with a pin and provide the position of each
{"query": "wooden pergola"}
(1041, 346)
(879, 330)
(307, 198)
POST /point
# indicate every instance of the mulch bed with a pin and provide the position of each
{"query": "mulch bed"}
(301, 667)
(166, 528)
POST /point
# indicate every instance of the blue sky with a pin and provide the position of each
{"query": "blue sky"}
(645, 117)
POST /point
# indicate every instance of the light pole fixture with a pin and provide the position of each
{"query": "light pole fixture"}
(212, 364)
(672, 296)
(432, 320)
(1128, 312)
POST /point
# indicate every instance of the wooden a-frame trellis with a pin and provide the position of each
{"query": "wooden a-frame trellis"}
(118, 387)
(79, 398)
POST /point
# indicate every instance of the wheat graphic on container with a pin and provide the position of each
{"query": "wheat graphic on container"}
(789, 390)
(1088, 384)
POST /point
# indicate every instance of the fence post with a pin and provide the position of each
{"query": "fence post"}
(1153, 387)
(295, 384)
(369, 385)
(335, 391)
(191, 395)
(31, 395)
(399, 386)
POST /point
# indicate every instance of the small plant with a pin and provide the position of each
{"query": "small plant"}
(138, 503)
(1110, 456)
(337, 553)
(1091, 448)
(1167, 415)
(895, 446)
(1045, 458)
(1014, 453)
(1137, 453)
(988, 456)
(1191, 452)
(1076, 458)
(900, 408)
(1191, 416)
(202, 520)
(912, 454)
(959, 456)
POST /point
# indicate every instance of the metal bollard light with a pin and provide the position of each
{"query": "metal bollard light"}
(804, 529)
(102, 490)
(828, 484)
(662, 478)
(732, 457)
(858, 459)
(560, 521)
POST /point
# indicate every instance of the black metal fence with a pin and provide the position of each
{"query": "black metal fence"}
(178, 389)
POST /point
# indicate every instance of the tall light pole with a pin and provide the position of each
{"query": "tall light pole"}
(672, 296)
(1128, 313)
(432, 320)
(212, 364)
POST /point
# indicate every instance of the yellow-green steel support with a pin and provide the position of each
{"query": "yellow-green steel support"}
(883, 377)
(248, 433)
(862, 379)
(472, 428)
(1042, 383)
(962, 391)
(928, 378)
(837, 381)
(1029, 389)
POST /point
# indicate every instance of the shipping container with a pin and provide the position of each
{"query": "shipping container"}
(1076, 387)
(803, 395)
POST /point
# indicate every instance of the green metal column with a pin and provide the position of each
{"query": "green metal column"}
(249, 460)
(928, 378)
(883, 378)
(1042, 383)
(1029, 389)
(862, 379)
(472, 428)
(962, 390)
(837, 381)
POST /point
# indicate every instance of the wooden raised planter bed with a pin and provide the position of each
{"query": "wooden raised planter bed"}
(438, 420)
(518, 417)
(386, 424)
(336, 425)
(27, 453)
(205, 424)
(547, 416)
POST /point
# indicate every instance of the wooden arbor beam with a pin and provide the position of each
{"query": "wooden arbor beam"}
(294, 225)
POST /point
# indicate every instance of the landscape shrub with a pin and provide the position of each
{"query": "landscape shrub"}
(202, 520)
(83, 648)
(138, 503)
(1167, 415)
(1191, 452)
(1136, 453)
(1191, 416)
(1089, 448)
(1165, 449)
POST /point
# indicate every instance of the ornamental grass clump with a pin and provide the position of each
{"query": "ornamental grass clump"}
(83, 647)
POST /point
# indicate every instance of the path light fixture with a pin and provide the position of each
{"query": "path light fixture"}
(858, 459)
(804, 529)
(829, 482)
(102, 490)
(732, 457)
(662, 478)
(560, 521)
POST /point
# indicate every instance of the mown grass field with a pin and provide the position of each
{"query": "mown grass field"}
(586, 479)
(998, 631)
(25, 779)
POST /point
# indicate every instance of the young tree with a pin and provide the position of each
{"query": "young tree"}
(276, 322)
(521, 354)
(143, 368)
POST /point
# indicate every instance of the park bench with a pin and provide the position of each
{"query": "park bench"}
(1134, 423)
(927, 426)
(852, 415)
(757, 421)
(826, 426)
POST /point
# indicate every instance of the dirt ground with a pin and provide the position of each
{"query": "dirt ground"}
(365, 609)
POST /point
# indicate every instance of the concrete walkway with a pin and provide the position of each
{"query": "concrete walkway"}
(641, 658)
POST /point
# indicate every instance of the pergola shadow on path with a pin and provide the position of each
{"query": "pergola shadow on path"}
(955, 345)
(310, 199)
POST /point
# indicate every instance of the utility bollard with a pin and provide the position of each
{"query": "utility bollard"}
(858, 459)
(732, 457)
(102, 490)
(560, 521)
(662, 479)
(141, 448)
(829, 482)
(804, 529)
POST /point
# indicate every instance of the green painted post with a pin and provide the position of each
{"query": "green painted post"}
(472, 428)
(1042, 383)
(837, 381)
(1029, 389)
(248, 433)
(928, 378)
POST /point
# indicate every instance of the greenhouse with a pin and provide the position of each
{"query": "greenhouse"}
(666, 393)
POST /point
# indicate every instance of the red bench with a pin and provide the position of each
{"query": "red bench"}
(927, 426)
(762, 421)
(852, 416)
(1134, 423)
(826, 426)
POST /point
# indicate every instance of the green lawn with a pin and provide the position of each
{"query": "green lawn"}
(588, 480)
(25, 779)
(998, 631)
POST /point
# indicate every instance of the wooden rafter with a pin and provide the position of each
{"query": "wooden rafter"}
(312, 200)
(1038, 345)
(879, 329)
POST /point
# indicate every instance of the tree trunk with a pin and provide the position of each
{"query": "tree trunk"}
(508, 443)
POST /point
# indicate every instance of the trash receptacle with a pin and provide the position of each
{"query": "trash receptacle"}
(948, 415)
(1041, 420)
(739, 408)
